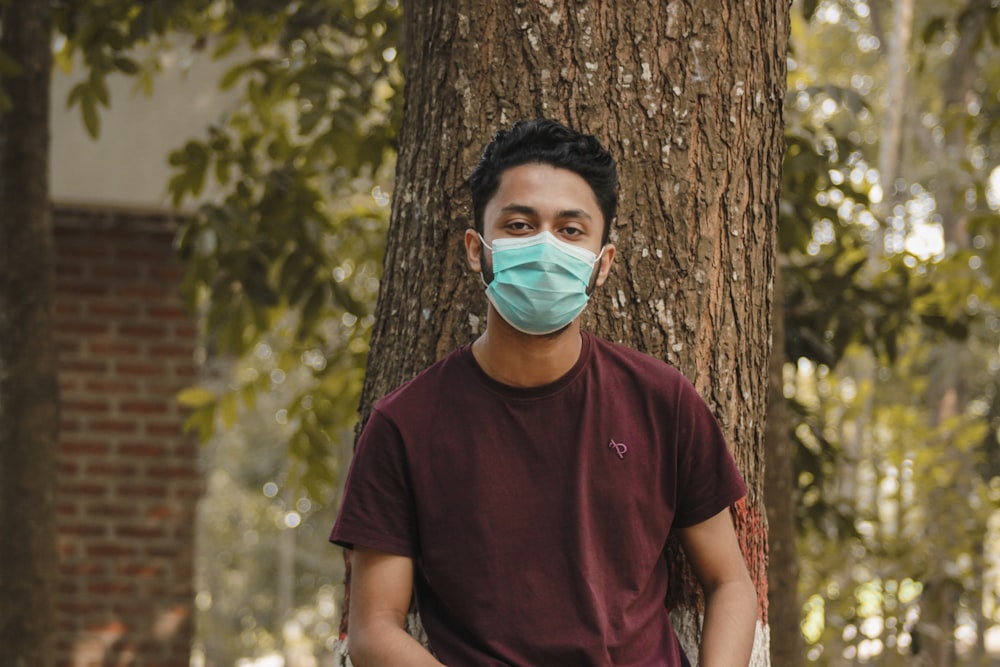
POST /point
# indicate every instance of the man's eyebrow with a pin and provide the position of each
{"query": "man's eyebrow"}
(529, 210)
(574, 213)
(519, 208)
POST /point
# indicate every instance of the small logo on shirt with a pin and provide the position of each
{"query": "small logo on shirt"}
(620, 448)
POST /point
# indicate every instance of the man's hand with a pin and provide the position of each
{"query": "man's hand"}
(381, 589)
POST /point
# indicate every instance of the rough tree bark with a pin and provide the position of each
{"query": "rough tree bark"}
(687, 96)
(785, 607)
(28, 385)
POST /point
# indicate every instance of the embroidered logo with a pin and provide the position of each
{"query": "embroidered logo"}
(620, 448)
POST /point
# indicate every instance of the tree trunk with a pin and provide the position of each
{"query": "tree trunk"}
(785, 607)
(28, 384)
(688, 97)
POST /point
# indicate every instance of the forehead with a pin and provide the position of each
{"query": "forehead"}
(544, 188)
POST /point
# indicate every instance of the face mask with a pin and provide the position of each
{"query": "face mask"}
(539, 282)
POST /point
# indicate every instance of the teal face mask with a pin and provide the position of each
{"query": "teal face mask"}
(539, 282)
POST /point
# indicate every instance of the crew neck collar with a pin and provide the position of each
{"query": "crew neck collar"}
(522, 393)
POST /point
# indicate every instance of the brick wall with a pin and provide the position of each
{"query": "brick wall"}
(128, 478)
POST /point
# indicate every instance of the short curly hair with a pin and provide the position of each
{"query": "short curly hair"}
(544, 141)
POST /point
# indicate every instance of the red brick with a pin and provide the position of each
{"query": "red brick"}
(147, 490)
(161, 551)
(172, 351)
(87, 488)
(174, 471)
(83, 569)
(170, 274)
(74, 447)
(111, 386)
(157, 331)
(112, 510)
(85, 405)
(67, 347)
(80, 288)
(104, 588)
(151, 255)
(146, 292)
(66, 309)
(144, 449)
(111, 426)
(67, 468)
(112, 309)
(140, 532)
(186, 375)
(66, 510)
(116, 272)
(83, 530)
(167, 312)
(139, 369)
(111, 469)
(145, 407)
(82, 328)
(140, 570)
(76, 607)
(114, 348)
(83, 366)
(170, 429)
(108, 550)
(162, 512)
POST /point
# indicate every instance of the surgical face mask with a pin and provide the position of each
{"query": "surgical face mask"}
(540, 284)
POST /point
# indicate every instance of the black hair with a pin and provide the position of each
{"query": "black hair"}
(544, 141)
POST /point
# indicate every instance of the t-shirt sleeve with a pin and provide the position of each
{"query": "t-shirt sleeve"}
(377, 509)
(708, 479)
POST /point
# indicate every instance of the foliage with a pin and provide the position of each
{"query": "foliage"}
(893, 320)
(283, 256)
(267, 579)
(292, 242)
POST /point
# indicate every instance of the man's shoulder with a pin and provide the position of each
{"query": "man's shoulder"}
(633, 361)
(427, 385)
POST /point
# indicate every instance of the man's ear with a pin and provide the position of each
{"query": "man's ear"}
(474, 250)
(607, 257)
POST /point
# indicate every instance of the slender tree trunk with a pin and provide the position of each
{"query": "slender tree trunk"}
(892, 127)
(688, 98)
(948, 397)
(780, 490)
(28, 384)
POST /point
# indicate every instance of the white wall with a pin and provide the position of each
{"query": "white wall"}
(127, 165)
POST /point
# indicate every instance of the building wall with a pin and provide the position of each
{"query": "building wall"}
(126, 165)
(128, 477)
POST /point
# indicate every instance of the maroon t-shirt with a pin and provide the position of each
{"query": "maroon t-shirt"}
(537, 517)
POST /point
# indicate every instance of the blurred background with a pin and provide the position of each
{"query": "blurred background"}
(235, 176)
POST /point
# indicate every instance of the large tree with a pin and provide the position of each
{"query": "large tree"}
(28, 385)
(688, 97)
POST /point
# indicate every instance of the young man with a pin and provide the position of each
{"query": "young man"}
(524, 486)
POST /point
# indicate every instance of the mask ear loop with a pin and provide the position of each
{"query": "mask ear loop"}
(482, 263)
(593, 277)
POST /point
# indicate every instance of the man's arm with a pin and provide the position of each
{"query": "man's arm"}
(381, 588)
(730, 596)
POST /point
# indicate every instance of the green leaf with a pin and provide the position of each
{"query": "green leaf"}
(195, 397)
(91, 119)
(201, 420)
(228, 409)
(126, 65)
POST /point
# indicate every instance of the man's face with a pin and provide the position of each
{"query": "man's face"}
(533, 198)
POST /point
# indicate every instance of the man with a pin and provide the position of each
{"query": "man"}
(524, 486)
